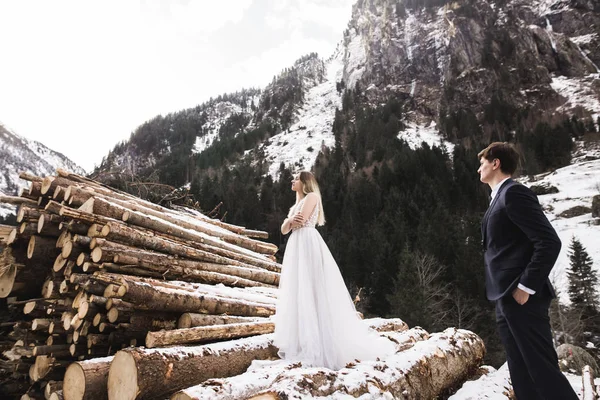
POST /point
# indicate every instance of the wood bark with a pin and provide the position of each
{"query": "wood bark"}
(81, 216)
(167, 267)
(179, 300)
(190, 320)
(42, 249)
(154, 374)
(26, 229)
(15, 200)
(436, 364)
(141, 238)
(207, 333)
(35, 190)
(198, 232)
(81, 195)
(59, 194)
(442, 362)
(28, 213)
(49, 223)
(255, 295)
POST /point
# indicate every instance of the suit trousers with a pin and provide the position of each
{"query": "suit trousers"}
(532, 360)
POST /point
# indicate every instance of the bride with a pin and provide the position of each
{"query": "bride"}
(316, 322)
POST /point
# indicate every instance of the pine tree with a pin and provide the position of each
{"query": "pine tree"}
(583, 280)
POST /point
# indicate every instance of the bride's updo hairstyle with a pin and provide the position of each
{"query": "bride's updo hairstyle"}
(310, 185)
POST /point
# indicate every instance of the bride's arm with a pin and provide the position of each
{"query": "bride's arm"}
(286, 227)
(291, 222)
(309, 206)
(298, 219)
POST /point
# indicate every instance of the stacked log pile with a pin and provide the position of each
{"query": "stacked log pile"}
(90, 270)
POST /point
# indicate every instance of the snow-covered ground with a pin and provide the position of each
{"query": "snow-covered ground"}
(578, 92)
(576, 184)
(496, 385)
(300, 144)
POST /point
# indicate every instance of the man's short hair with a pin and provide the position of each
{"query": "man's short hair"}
(503, 151)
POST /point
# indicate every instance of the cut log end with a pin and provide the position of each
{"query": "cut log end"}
(29, 307)
(185, 321)
(266, 396)
(47, 183)
(7, 281)
(56, 396)
(40, 223)
(31, 246)
(12, 236)
(122, 377)
(181, 396)
(74, 383)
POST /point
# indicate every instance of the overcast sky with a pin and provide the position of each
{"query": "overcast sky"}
(80, 76)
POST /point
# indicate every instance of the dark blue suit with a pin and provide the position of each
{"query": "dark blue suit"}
(521, 246)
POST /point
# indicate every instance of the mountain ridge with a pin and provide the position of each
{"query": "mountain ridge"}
(19, 154)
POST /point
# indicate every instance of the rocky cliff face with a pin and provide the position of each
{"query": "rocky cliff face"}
(477, 58)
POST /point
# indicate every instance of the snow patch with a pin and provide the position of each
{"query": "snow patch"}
(416, 134)
(218, 114)
(577, 184)
(578, 92)
(583, 39)
(356, 56)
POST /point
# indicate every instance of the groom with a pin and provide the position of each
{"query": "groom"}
(521, 248)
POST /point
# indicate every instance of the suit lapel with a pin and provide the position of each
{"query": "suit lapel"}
(486, 216)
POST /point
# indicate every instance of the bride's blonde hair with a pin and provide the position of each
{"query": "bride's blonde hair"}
(310, 185)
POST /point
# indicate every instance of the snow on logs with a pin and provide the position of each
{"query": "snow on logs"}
(156, 373)
(423, 368)
(83, 283)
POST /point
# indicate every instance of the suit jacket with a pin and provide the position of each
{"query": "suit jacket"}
(520, 244)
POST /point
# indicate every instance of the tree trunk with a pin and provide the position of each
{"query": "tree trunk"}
(191, 320)
(42, 249)
(154, 374)
(255, 295)
(140, 238)
(87, 380)
(28, 213)
(589, 387)
(197, 232)
(77, 196)
(207, 333)
(181, 300)
(429, 369)
(17, 200)
(167, 267)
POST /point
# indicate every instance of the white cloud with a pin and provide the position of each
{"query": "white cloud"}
(80, 76)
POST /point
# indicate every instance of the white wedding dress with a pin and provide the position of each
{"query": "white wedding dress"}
(316, 322)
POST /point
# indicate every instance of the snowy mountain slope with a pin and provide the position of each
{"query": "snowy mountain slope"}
(19, 154)
(300, 144)
(577, 184)
(217, 115)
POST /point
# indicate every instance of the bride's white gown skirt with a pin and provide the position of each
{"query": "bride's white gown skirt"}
(316, 322)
